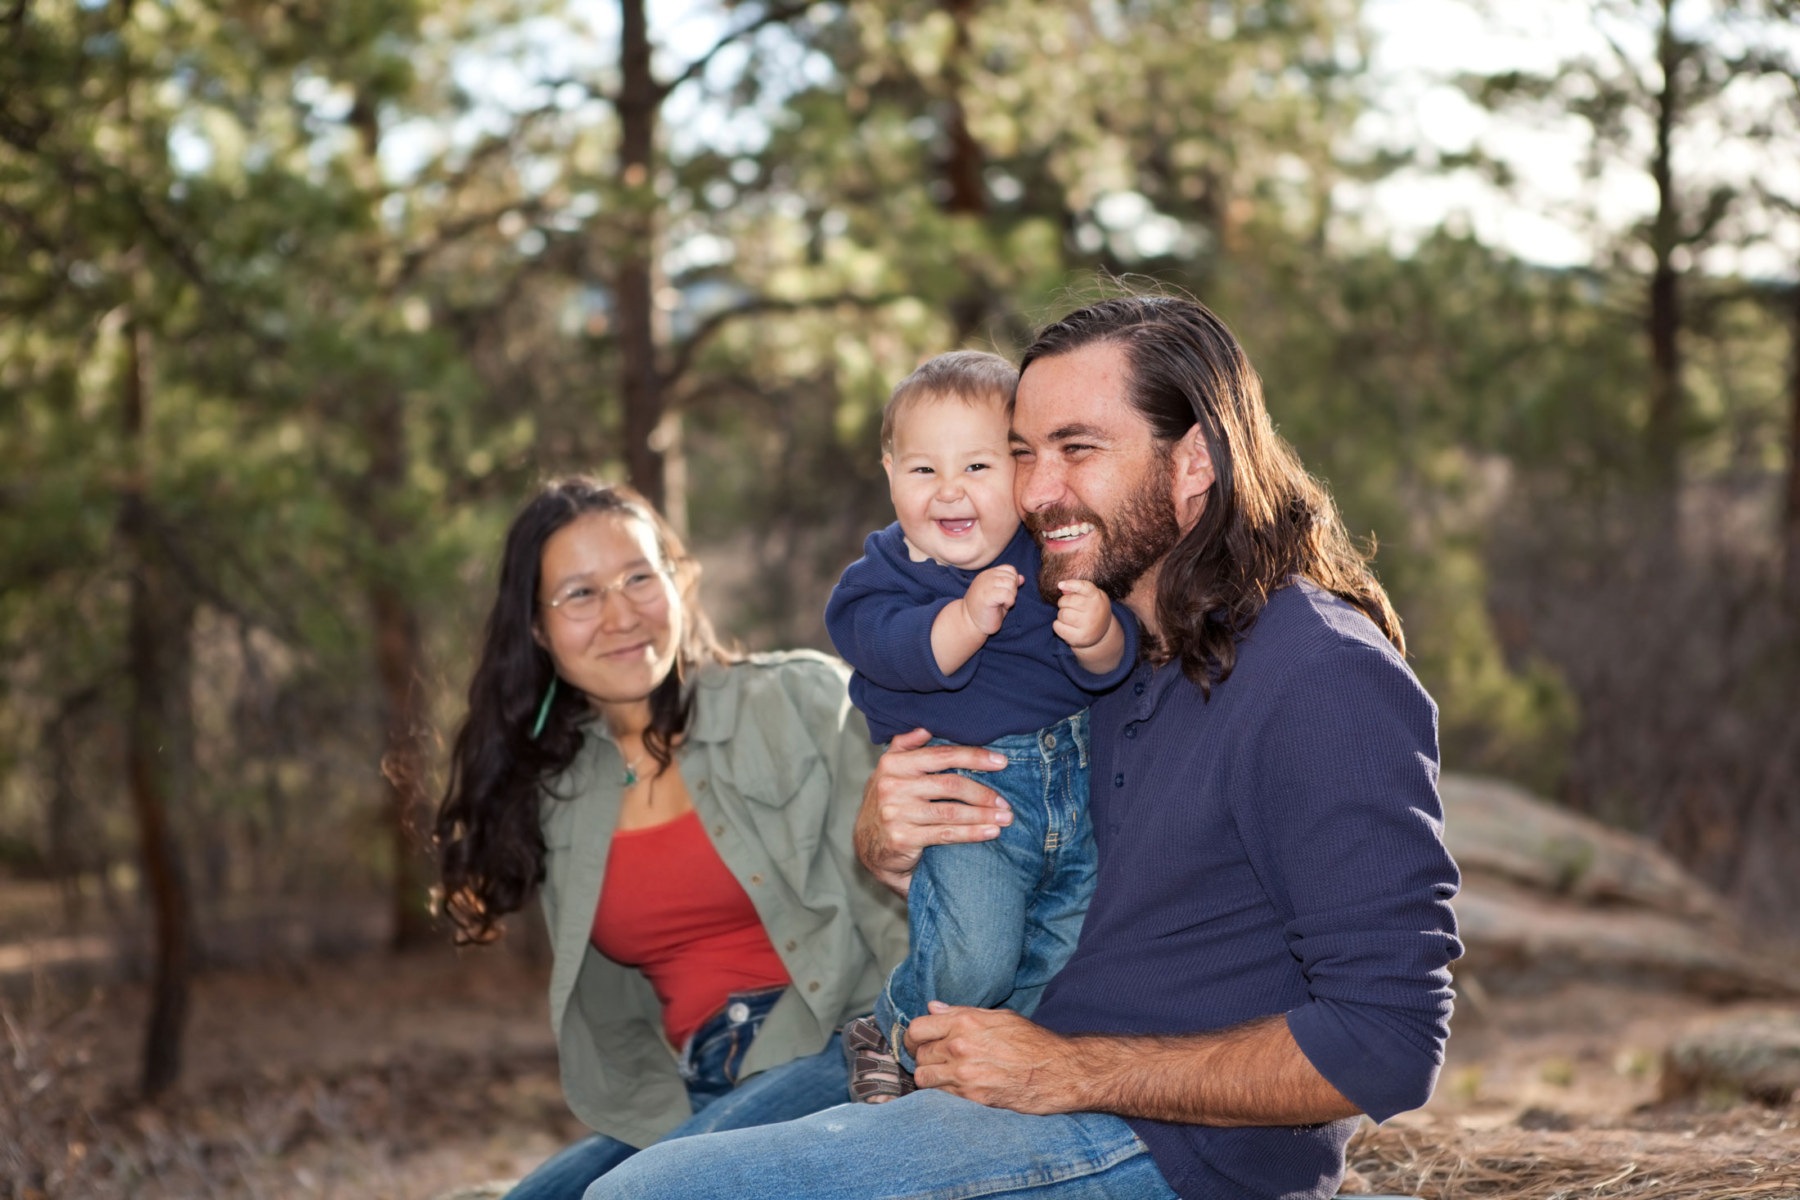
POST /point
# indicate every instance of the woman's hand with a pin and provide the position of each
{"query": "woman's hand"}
(899, 816)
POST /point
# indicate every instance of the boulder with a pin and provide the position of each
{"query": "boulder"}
(1549, 896)
(1753, 1055)
(1500, 829)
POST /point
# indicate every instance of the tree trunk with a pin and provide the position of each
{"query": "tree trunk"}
(158, 742)
(1791, 514)
(965, 190)
(646, 436)
(399, 664)
(399, 649)
(1663, 433)
(398, 658)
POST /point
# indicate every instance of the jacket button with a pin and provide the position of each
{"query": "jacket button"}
(1137, 689)
(1119, 780)
(758, 878)
(813, 986)
(1131, 731)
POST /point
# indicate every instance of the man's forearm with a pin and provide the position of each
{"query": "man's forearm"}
(1251, 1074)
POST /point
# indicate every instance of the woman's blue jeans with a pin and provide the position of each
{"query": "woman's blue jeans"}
(709, 1066)
(990, 922)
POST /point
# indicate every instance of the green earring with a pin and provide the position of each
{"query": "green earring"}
(537, 726)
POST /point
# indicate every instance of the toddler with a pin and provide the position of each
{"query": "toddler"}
(942, 620)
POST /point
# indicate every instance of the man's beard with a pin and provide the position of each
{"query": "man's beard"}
(1133, 540)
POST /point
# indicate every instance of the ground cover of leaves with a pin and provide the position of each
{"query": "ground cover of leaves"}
(411, 1077)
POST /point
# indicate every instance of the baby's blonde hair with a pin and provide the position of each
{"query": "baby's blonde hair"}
(971, 376)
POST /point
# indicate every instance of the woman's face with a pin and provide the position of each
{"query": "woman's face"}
(618, 650)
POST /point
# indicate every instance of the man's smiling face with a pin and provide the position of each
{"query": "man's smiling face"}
(1093, 483)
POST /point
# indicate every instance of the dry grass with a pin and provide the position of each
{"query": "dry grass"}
(1753, 1155)
(379, 1078)
(416, 1077)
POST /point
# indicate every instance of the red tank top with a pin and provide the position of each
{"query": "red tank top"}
(671, 909)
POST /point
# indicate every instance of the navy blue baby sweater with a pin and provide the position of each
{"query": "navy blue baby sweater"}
(1023, 679)
(1277, 849)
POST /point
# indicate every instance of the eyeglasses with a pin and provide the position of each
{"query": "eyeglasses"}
(582, 601)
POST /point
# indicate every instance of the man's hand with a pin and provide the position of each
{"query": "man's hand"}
(1083, 614)
(1249, 1074)
(990, 597)
(900, 816)
(997, 1058)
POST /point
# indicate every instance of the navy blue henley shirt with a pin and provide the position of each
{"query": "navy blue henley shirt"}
(1277, 849)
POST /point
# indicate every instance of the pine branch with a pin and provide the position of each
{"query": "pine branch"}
(690, 348)
(775, 14)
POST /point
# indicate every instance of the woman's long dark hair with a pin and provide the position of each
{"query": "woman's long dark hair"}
(490, 845)
(1266, 519)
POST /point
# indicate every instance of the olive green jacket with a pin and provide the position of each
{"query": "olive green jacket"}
(775, 761)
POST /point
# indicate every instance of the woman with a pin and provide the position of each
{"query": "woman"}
(687, 815)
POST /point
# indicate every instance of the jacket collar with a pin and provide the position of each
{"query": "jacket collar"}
(715, 708)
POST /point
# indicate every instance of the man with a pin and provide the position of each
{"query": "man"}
(1267, 951)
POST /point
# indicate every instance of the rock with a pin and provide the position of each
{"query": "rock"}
(1754, 1055)
(1538, 1117)
(1518, 937)
(1550, 896)
(1499, 829)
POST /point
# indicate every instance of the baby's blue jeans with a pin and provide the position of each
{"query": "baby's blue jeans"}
(992, 921)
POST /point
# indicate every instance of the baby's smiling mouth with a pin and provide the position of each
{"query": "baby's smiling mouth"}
(958, 526)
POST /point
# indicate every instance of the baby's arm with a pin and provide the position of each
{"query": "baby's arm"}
(1085, 620)
(963, 626)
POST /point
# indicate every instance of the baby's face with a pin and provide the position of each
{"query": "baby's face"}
(951, 479)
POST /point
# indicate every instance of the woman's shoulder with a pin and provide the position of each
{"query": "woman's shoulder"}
(791, 670)
(791, 694)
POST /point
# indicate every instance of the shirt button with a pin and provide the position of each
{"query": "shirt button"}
(1131, 731)
(813, 986)
(718, 831)
(1137, 689)
(792, 945)
(702, 783)
(1119, 780)
(758, 878)
(738, 1013)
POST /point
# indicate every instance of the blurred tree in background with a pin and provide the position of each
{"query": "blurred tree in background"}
(299, 300)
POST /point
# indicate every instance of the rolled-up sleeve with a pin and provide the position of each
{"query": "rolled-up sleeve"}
(1348, 831)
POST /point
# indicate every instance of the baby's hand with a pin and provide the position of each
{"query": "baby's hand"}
(990, 595)
(1083, 614)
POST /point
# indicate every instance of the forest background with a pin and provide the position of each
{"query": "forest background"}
(298, 300)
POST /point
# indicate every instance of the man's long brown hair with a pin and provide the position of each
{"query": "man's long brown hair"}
(1266, 521)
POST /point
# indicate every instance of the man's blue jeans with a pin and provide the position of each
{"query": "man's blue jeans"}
(926, 1145)
(991, 922)
(709, 1065)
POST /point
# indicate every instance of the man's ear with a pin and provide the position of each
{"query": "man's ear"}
(1193, 474)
